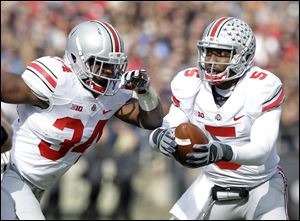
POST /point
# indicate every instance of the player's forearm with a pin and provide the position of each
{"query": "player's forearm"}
(263, 138)
(151, 119)
(13, 89)
(151, 112)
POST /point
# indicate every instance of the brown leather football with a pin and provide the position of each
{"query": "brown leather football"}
(186, 135)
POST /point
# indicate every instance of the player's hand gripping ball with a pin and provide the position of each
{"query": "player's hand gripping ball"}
(186, 135)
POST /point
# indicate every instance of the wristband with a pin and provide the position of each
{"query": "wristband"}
(148, 101)
(227, 153)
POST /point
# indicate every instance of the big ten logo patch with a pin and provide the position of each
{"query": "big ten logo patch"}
(76, 107)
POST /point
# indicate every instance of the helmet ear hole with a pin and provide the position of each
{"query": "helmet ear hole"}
(73, 58)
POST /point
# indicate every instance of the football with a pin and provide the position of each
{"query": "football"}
(186, 135)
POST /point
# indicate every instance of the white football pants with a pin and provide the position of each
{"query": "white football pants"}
(27, 207)
(8, 211)
(267, 201)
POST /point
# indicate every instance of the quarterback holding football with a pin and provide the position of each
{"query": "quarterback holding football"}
(238, 106)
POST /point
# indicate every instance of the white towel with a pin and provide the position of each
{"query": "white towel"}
(191, 203)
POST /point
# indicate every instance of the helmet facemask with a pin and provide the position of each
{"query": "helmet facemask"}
(208, 69)
(103, 76)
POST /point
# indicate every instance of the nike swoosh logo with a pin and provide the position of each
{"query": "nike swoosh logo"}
(237, 118)
(106, 111)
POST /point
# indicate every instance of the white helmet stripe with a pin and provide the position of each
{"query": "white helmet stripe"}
(79, 48)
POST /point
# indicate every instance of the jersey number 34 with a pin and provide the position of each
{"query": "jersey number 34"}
(66, 145)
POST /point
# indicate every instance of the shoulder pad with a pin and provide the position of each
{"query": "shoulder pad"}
(185, 86)
(48, 77)
(264, 89)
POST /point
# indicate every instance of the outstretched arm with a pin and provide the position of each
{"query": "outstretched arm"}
(132, 113)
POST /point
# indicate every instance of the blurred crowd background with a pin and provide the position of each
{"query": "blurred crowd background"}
(123, 178)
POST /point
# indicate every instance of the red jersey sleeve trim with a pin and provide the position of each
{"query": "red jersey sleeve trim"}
(175, 101)
(275, 101)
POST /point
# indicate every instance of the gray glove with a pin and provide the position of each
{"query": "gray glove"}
(164, 139)
(209, 153)
(137, 80)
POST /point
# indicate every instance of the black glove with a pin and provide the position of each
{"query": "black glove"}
(164, 139)
(137, 80)
(209, 153)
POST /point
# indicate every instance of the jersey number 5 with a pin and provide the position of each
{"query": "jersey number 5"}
(77, 126)
(192, 72)
(260, 75)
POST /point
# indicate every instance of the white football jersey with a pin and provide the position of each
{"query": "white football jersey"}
(47, 142)
(256, 92)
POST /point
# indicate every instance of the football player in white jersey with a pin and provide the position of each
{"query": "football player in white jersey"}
(238, 106)
(63, 105)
